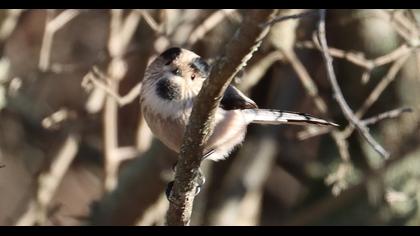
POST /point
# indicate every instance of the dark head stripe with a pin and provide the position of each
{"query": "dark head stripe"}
(171, 54)
(200, 66)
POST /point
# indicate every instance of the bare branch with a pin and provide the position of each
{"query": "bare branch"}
(312, 90)
(382, 85)
(51, 26)
(257, 71)
(377, 91)
(160, 29)
(9, 24)
(392, 56)
(126, 32)
(359, 58)
(208, 24)
(54, 120)
(238, 51)
(399, 25)
(121, 100)
(306, 80)
(413, 17)
(370, 100)
(110, 126)
(150, 21)
(386, 115)
(338, 95)
(121, 32)
(291, 17)
(404, 27)
(50, 181)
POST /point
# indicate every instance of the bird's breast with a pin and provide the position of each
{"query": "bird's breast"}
(169, 131)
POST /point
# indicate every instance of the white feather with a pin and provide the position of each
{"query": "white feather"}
(275, 117)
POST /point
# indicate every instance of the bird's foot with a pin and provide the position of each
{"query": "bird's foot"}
(174, 166)
(169, 189)
(199, 181)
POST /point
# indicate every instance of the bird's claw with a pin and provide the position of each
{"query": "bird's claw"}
(169, 189)
(200, 182)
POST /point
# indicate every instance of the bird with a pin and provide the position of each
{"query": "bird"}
(170, 85)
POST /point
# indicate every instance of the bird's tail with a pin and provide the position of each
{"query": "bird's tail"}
(275, 117)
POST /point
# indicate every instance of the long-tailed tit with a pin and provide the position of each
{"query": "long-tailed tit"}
(170, 85)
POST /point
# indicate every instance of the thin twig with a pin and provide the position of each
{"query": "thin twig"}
(54, 120)
(413, 17)
(392, 56)
(409, 26)
(150, 21)
(400, 27)
(338, 95)
(377, 91)
(49, 182)
(356, 58)
(359, 58)
(306, 80)
(320, 104)
(121, 100)
(51, 26)
(312, 90)
(208, 24)
(121, 33)
(7, 27)
(369, 101)
(258, 70)
(291, 17)
(382, 85)
(159, 29)
(201, 123)
(10, 23)
(110, 113)
(386, 115)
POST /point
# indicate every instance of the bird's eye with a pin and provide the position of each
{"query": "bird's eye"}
(176, 72)
(192, 76)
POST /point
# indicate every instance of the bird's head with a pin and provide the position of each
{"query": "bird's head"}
(177, 74)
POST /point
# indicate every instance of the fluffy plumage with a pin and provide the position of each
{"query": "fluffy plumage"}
(171, 83)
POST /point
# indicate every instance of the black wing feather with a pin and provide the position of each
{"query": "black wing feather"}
(233, 99)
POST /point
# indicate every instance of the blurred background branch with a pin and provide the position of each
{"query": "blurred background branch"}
(75, 149)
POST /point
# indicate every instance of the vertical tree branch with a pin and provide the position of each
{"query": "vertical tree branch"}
(121, 32)
(286, 49)
(338, 95)
(239, 50)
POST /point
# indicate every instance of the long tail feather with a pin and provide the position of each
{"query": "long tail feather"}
(275, 117)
